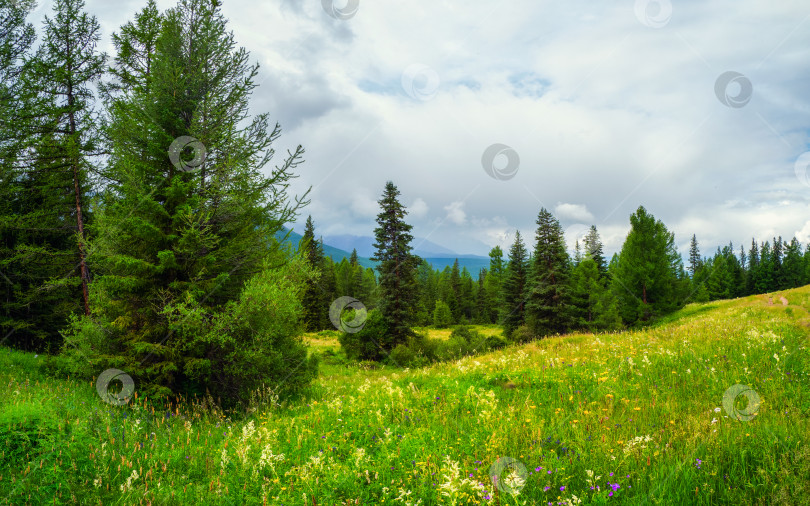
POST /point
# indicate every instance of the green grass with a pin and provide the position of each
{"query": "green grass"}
(568, 405)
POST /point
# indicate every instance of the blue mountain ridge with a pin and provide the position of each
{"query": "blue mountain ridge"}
(445, 258)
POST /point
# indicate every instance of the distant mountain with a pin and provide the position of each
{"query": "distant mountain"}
(365, 246)
(473, 265)
(337, 254)
(339, 247)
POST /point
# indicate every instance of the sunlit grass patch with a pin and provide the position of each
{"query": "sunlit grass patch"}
(633, 417)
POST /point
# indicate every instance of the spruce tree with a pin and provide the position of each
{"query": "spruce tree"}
(466, 296)
(188, 219)
(454, 296)
(494, 282)
(397, 268)
(694, 256)
(593, 248)
(792, 266)
(595, 307)
(514, 287)
(328, 288)
(313, 295)
(766, 272)
(719, 282)
(752, 276)
(776, 255)
(548, 306)
(482, 300)
(37, 244)
(441, 315)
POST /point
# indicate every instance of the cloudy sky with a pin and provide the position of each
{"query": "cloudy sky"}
(696, 110)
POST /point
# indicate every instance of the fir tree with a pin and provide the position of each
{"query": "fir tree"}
(182, 232)
(694, 256)
(792, 266)
(328, 289)
(766, 271)
(593, 248)
(454, 297)
(482, 300)
(494, 282)
(548, 307)
(752, 276)
(397, 268)
(38, 286)
(313, 295)
(441, 315)
(514, 287)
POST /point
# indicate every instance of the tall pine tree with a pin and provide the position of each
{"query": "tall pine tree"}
(397, 268)
(188, 218)
(515, 280)
(548, 307)
(313, 295)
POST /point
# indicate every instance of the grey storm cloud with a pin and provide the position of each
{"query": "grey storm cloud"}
(608, 105)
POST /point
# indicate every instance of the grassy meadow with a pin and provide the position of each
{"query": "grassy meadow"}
(628, 418)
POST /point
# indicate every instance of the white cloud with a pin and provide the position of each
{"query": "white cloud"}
(418, 209)
(603, 111)
(578, 212)
(455, 213)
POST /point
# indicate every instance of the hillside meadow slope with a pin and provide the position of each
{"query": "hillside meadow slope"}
(709, 407)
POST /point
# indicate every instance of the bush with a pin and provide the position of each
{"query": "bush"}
(522, 334)
(495, 343)
(232, 350)
(368, 343)
(421, 350)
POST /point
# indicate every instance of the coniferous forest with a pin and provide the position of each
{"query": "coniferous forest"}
(143, 209)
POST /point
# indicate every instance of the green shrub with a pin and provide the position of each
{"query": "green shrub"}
(369, 342)
(252, 342)
(522, 334)
(495, 342)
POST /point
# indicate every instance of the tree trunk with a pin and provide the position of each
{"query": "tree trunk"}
(77, 190)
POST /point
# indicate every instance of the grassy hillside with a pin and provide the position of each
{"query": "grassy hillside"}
(636, 417)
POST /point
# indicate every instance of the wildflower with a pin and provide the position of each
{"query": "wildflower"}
(716, 410)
